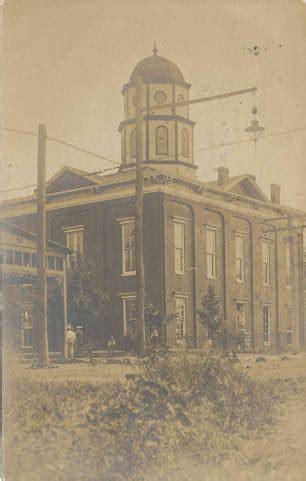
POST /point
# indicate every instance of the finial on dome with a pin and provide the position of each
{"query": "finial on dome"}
(155, 49)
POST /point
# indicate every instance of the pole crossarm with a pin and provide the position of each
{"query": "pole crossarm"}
(200, 99)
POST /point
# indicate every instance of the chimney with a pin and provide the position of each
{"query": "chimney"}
(223, 175)
(275, 193)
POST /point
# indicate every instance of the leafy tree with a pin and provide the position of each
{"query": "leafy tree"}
(87, 304)
(209, 314)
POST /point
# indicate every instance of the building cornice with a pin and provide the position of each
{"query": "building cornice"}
(155, 181)
(161, 117)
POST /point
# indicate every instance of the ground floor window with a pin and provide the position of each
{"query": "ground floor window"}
(129, 316)
(289, 316)
(266, 324)
(241, 316)
(26, 327)
(180, 309)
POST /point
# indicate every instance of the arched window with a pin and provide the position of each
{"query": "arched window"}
(162, 140)
(133, 143)
(185, 143)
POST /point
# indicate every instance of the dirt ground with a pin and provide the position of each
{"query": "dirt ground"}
(285, 366)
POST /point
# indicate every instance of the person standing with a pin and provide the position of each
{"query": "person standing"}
(71, 342)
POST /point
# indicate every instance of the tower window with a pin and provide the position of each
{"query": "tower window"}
(162, 140)
(133, 143)
(185, 143)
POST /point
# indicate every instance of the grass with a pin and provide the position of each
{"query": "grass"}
(185, 415)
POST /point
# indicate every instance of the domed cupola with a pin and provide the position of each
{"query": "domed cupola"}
(168, 132)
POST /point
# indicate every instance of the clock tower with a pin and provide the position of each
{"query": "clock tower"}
(167, 132)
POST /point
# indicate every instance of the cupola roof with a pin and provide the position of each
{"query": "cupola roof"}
(156, 69)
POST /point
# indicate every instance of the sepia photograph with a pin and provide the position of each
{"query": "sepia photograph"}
(153, 240)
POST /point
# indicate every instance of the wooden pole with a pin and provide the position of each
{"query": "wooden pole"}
(140, 281)
(41, 300)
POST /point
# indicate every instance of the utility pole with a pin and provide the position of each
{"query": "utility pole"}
(41, 293)
(140, 280)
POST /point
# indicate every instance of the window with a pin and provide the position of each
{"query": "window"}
(239, 246)
(18, 258)
(133, 143)
(51, 262)
(26, 327)
(9, 257)
(59, 264)
(241, 316)
(266, 263)
(288, 266)
(27, 259)
(179, 247)
(128, 247)
(289, 316)
(129, 316)
(34, 260)
(266, 324)
(180, 309)
(185, 143)
(211, 253)
(74, 240)
(162, 140)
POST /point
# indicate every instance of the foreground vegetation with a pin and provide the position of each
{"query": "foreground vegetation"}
(193, 406)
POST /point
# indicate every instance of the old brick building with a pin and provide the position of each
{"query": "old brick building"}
(226, 232)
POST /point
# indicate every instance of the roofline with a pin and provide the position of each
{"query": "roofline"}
(33, 236)
(194, 183)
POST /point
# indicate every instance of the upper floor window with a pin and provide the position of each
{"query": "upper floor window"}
(288, 266)
(239, 258)
(75, 238)
(185, 143)
(133, 143)
(179, 247)
(161, 140)
(266, 263)
(128, 246)
(211, 253)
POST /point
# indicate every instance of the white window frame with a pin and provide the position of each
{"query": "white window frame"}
(75, 230)
(125, 298)
(240, 277)
(180, 298)
(266, 340)
(179, 249)
(185, 142)
(123, 223)
(266, 266)
(244, 310)
(289, 329)
(289, 270)
(212, 254)
(133, 143)
(29, 323)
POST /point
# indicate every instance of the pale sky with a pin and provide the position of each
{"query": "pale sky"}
(66, 62)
